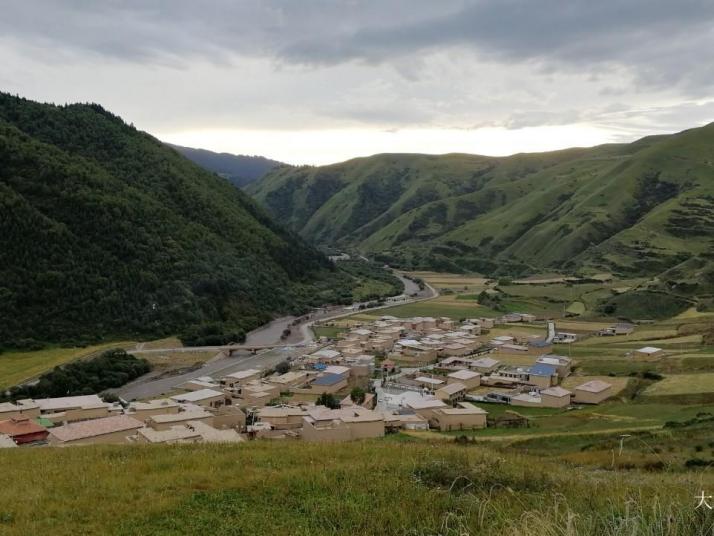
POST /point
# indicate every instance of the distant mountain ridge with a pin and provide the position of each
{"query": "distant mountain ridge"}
(643, 208)
(240, 170)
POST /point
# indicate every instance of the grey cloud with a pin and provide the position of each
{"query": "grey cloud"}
(640, 34)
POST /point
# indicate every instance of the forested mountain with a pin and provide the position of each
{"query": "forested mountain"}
(108, 232)
(641, 208)
(240, 170)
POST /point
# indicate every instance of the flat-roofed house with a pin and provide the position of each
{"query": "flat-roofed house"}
(469, 378)
(464, 417)
(143, 410)
(531, 399)
(486, 323)
(542, 375)
(76, 408)
(23, 430)
(338, 369)
(451, 392)
(289, 379)
(413, 350)
(259, 393)
(345, 424)
(328, 383)
(445, 322)
(166, 421)
(428, 382)
(228, 417)
(454, 349)
(240, 378)
(203, 397)
(114, 429)
(330, 356)
(485, 365)
(555, 397)
(361, 334)
(379, 344)
(425, 407)
(282, 417)
(561, 363)
(592, 392)
(175, 434)
(360, 365)
(190, 432)
(21, 408)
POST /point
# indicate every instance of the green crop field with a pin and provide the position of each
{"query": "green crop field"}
(16, 367)
(682, 384)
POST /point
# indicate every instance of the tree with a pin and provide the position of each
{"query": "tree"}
(327, 400)
(282, 367)
(357, 395)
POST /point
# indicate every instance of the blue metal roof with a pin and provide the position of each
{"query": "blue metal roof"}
(328, 379)
(541, 369)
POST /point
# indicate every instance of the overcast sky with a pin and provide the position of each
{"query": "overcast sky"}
(325, 80)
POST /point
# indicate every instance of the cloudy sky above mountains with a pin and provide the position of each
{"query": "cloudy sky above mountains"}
(319, 81)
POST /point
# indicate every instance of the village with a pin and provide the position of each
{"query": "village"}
(374, 378)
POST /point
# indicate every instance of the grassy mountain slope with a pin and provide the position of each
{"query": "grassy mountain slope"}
(639, 208)
(108, 232)
(386, 487)
(240, 170)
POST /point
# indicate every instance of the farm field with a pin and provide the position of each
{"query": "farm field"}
(445, 305)
(17, 367)
(682, 384)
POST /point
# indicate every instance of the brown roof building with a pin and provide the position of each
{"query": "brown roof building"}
(23, 431)
(107, 430)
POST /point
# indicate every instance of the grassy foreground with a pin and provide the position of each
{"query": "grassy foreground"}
(373, 487)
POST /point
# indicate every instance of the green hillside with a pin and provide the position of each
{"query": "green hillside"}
(379, 487)
(644, 208)
(107, 232)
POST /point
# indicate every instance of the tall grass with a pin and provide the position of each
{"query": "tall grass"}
(370, 487)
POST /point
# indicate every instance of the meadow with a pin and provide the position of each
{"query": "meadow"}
(396, 485)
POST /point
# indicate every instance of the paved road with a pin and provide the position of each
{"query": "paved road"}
(148, 387)
(300, 341)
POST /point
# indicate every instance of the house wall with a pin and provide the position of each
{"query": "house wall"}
(446, 422)
(470, 384)
(30, 438)
(77, 414)
(338, 432)
(29, 413)
(541, 381)
(449, 397)
(166, 425)
(288, 422)
(587, 397)
(229, 419)
(320, 389)
(363, 430)
(548, 401)
(144, 414)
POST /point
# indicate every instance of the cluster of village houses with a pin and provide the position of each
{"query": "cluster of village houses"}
(431, 372)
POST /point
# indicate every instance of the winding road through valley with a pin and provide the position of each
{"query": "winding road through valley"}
(263, 347)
